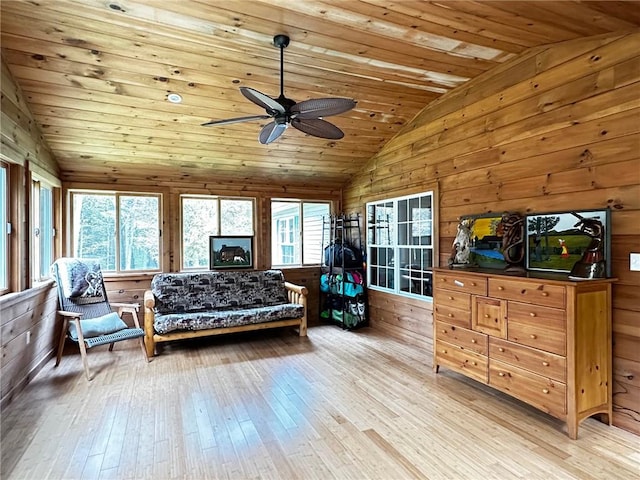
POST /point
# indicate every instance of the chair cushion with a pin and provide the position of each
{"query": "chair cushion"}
(80, 277)
(94, 327)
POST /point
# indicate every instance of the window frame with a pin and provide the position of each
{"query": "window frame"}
(287, 238)
(396, 226)
(5, 229)
(299, 235)
(117, 241)
(219, 199)
(39, 238)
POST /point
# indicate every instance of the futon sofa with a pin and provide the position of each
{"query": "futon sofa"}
(188, 305)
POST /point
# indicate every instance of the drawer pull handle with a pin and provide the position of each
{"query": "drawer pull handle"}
(533, 314)
(473, 340)
(473, 284)
(474, 363)
(444, 351)
(545, 390)
(501, 349)
(486, 315)
(545, 294)
(450, 315)
(545, 364)
(501, 288)
(450, 298)
(444, 331)
(501, 374)
(533, 336)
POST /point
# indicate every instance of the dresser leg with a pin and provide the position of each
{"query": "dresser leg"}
(572, 430)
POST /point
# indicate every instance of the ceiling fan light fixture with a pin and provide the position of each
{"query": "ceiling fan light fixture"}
(306, 116)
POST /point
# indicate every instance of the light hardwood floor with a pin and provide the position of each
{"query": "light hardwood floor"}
(337, 404)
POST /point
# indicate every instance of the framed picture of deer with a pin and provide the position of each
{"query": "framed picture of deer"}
(577, 242)
(230, 252)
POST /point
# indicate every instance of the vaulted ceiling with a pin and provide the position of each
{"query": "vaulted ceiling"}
(97, 74)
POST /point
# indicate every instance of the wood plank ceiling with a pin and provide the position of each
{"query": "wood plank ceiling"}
(96, 75)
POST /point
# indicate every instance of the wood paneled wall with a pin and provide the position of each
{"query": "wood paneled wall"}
(29, 333)
(555, 129)
(28, 317)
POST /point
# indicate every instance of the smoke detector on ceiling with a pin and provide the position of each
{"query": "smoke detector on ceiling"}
(174, 98)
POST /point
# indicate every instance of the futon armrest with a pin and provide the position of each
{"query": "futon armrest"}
(299, 289)
(149, 315)
(149, 300)
(297, 294)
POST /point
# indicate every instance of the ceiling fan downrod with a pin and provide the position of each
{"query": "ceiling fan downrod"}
(282, 42)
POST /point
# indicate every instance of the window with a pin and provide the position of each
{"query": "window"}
(122, 230)
(203, 216)
(297, 232)
(43, 230)
(4, 228)
(400, 244)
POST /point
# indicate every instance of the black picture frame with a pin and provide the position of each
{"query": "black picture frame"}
(554, 241)
(230, 252)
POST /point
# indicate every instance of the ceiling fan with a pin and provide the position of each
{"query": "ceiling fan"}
(305, 116)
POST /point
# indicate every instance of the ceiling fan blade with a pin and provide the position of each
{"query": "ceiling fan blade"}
(321, 107)
(318, 128)
(229, 121)
(265, 101)
(271, 131)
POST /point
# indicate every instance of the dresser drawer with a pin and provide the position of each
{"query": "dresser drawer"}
(468, 363)
(527, 291)
(545, 317)
(531, 359)
(455, 316)
(462, 338)
(460, 283)
(541, 392)
(538, 336)
(453, 299)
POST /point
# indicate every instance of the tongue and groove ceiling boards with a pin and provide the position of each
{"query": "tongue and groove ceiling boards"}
(96, 74)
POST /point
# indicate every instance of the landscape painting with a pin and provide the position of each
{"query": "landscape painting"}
(556, 241)
(486, 242)
(230, 252)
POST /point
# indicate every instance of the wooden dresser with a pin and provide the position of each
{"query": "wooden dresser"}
(543, 339)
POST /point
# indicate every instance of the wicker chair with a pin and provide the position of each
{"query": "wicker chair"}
(88, 318)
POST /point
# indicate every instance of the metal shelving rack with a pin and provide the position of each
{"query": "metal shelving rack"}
(343, 300)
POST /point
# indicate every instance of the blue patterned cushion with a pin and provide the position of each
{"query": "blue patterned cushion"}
(94, 327)
(80, 277)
